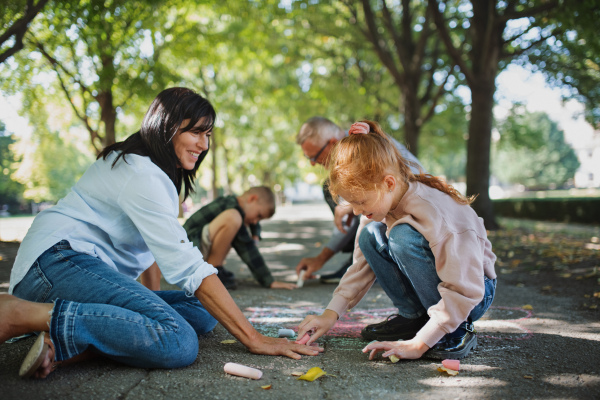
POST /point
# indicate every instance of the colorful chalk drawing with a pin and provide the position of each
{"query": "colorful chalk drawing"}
(500, 320)
(510, 328)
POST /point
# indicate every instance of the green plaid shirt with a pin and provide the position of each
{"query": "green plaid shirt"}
(243, 243)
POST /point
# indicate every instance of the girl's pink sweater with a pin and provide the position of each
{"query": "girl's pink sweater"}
(463, 255)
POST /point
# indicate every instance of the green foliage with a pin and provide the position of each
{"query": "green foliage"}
(10, 190)
(532, 152)
(52, 160)
(443, 142)
(571, 60)
(97, 56)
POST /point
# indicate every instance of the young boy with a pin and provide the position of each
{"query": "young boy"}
(224, 223)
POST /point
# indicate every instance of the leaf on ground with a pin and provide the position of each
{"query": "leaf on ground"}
(267, 387)
(312, 374)
(449, 371)
(229, 341)
(527, 307)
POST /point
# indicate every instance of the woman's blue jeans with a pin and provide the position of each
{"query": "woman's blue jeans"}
(99, 309)
(405, 269)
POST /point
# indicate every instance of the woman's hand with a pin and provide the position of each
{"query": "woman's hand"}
(317, 325)
(282, 347)
(407, 349)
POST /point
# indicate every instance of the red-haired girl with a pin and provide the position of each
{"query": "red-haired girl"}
(427, 248)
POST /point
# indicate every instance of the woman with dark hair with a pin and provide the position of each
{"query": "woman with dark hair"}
(74, 276)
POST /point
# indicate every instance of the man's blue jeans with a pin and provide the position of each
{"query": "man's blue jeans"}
(405, 269)
(99, 309)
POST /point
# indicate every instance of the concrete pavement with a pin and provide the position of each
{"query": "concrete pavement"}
(548, 351)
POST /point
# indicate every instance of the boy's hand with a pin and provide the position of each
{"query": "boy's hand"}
(282, 347)
(283, 285)
(318, 325)
(408, 349)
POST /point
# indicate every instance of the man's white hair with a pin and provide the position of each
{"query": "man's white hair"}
(319, 130)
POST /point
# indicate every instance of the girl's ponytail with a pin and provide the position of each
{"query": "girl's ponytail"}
(360, 161)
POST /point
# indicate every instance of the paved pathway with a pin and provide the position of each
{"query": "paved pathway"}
(549, 351)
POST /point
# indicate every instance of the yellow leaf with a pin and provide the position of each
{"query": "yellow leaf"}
(229, 341)
(312, 374)
(267, 387)
(450, 372)
(527, 307)
(394, 359)
(527, 376)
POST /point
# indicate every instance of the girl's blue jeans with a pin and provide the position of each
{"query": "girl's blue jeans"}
(405, 269)
(99, 309)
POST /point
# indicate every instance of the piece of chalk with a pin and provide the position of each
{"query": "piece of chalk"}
(242, 370)
(300, 282)
(286, 333)
(451, 364)
(303, 339)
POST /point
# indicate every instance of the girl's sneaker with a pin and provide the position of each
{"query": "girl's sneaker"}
(395, 327)
(455, 345)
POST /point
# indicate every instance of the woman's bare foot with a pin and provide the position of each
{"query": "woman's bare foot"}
(20, 316)
(48, 364)
(39, 361)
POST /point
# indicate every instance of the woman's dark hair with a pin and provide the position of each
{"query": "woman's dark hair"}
(161, 123)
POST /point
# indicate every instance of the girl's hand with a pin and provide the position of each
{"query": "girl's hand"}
(283, 285)
(408, 349)
(317, 325)
(282, 347)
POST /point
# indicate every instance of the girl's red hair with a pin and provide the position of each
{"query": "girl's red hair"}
(359, 163)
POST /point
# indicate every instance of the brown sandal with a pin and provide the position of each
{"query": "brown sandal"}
(35, 357)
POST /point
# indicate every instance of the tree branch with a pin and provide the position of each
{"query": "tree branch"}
(531, 12)
(19, 28)
(57, 67)
(454, 53)
(384, 55)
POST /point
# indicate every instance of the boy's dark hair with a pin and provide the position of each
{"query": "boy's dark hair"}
(161, 122)
(265, 196)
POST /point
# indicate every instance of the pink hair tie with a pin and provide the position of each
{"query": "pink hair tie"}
(359, 128)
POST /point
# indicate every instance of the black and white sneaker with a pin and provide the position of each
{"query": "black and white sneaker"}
(455, 345)
(395, 327)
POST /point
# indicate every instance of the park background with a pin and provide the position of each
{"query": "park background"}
(499, 97)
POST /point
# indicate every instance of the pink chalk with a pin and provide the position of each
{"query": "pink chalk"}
(303, 339)
(242, 370)
(451, 364)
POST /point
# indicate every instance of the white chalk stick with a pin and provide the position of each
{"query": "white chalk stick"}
(286, 333)
(242, 370)
(300, 282)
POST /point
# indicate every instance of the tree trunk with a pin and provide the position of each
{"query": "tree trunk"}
(478, 149)
(412, 111)
(108, 116)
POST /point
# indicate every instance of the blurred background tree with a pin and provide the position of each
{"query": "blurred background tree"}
(11, 191)
(89, 69)
(532, 152)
